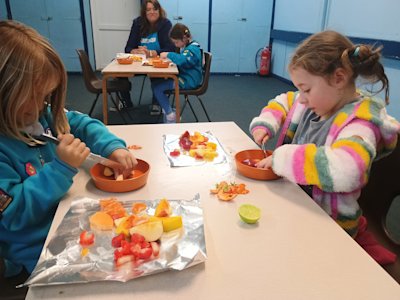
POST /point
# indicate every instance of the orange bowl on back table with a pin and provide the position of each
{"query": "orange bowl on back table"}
(160, 64)
(244, 160)
(125, 61)
(109, 184)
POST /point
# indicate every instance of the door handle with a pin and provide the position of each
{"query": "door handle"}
(178, 18)
(242, 19)
(46, 18)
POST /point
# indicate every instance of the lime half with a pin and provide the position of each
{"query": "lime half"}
(249, 213)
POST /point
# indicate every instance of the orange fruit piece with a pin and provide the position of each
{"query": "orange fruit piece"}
(101, 221)
(226, 196)
(163, 209)
(138, 207)
(112, 207)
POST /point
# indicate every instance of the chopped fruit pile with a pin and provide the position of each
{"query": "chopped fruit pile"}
(137, 234)
(196, 146)
(227, 192)
(136, 58)
(108, 172)
(252, 162)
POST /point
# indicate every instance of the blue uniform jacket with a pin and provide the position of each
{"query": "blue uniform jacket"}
(32, 182)
(190, 65)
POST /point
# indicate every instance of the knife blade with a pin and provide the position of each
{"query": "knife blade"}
(95, 158)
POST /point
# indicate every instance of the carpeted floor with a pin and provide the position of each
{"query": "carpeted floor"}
(228, 98)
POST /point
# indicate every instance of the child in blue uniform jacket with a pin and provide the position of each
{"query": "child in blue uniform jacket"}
(34, 175)
(189, 62)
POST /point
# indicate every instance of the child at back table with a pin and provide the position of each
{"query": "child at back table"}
(189, 62)
(331, 132)
(34, 175)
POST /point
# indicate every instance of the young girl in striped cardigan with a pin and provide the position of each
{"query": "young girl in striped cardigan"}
(331, 132)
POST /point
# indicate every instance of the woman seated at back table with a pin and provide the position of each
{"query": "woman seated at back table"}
(150, 36)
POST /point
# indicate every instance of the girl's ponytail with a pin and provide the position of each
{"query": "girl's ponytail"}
(364, 61)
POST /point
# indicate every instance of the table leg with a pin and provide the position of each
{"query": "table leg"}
(105, 100)
(177, 102)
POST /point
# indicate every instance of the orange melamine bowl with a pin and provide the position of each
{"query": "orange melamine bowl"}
(125, 60)
(160, 64)
(109, 184)
(252, 172)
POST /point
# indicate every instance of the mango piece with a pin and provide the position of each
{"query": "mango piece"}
(211, 145)
(123, 226)
(171, 223)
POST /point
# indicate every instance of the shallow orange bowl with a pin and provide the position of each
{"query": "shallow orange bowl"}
(125, 61)
(160, 64)
(109, 184)
(253, 172)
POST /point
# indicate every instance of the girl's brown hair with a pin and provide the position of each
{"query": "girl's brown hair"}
(147, 28)
(27, 63)
(179, 31)
(322, 53)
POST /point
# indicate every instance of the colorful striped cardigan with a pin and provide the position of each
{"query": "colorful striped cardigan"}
(361, 132)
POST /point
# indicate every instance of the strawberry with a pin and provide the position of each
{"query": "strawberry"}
(124, 259)
(86, 238)
(117, 240)
(144, 253)
(156, 248)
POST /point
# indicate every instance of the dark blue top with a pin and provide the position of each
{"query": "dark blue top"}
(163, 28)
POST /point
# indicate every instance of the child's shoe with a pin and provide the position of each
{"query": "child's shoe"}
(170, 118)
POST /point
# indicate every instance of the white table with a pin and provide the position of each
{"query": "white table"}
(114, 69)
(295, 252)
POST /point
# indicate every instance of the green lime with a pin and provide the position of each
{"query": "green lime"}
(249, 213)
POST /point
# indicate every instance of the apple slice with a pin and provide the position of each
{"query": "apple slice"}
(152, 231)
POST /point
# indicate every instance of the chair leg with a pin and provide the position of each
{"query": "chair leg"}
(141, 90)
(93, 105)
(116, 105)
(120, 100)
(205, 111)
(191, 107)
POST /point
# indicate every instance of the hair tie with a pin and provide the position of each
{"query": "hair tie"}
(355, 53)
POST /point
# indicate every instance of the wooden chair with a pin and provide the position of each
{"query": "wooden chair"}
(376, 199)
(94, 84)
(201, 90)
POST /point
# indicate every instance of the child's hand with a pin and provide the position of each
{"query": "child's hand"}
(265, 163)
(163, 55)
(125, 158)
(260, 136)
(72, 150)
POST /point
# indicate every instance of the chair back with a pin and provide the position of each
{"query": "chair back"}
(206, 74)
(89, 75)
(376, 200)
(377, 196)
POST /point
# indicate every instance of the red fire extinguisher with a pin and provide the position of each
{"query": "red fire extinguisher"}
(264, 59)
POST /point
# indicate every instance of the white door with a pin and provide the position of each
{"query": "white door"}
(111, 22)
(194, 14)
(239, 29)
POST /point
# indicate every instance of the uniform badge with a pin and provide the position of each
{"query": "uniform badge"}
(5, 200)
(30, 169)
